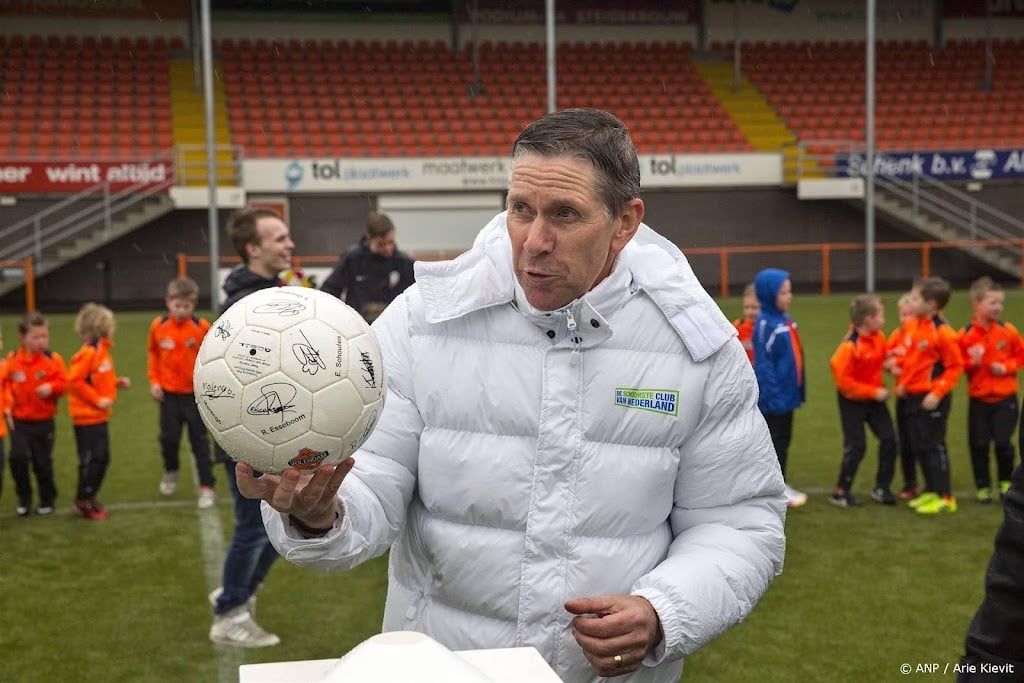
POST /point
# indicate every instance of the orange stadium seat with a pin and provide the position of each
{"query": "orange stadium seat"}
(416, 94)
(71, 89)
(924, 81)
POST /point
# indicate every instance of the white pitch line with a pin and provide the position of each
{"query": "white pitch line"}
(211, 541)
(212, 544)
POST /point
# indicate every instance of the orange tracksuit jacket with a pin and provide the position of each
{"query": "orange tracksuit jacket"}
(857, 365)
(91, 377)
(745, 328)
(27, 371)
(932, 362)
(172, 350)
(1003, 344)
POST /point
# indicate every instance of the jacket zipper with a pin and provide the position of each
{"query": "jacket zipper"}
(570, 321)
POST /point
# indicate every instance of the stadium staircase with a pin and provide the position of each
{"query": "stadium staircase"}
(934, 210)
(188, 124)
(756, 119)
(939, 211)
(70, 229)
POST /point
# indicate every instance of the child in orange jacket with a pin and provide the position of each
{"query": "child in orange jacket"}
(928, 372)
(745, 325)
(993, 353)
(896, 350)
(857, 371)
(92, 390)
(37, 378)
(172, 348)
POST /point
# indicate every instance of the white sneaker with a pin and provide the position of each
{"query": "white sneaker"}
(207, 498)
(215, 593)
(794, 498)
(238, 628)
(168, 483)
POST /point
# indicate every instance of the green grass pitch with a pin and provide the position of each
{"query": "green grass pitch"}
(864, 591)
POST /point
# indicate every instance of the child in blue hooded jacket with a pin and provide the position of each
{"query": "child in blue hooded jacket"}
(778, 365)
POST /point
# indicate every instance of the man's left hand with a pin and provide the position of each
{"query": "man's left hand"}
(615, 631)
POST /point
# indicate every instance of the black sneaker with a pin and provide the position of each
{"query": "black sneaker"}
(883, 496)
(843, 499)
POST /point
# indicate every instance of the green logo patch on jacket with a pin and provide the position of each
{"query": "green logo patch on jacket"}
(664, 401)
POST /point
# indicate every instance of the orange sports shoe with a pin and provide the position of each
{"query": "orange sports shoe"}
(90, 509)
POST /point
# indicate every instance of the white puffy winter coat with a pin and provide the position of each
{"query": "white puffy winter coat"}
(525, 458)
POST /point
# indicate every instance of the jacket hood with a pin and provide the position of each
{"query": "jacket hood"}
(767, 284)
(241, 278)
(483, 277)
(241, 282)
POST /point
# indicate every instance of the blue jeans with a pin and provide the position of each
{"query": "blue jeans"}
(250, 554)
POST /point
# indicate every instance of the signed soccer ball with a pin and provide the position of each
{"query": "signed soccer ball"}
(289, 377)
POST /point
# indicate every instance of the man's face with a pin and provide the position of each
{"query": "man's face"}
(563, 242)
(383, 245)
(273, 254)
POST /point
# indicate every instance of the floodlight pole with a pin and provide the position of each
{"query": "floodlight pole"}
(211, 152)
(549, 30)
(987, 82)
(869, 156)
(737, 57)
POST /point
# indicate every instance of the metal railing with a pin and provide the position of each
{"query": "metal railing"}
(821, 255)
(93, 208)
(930, 197)
(98, 206)
(926, 198)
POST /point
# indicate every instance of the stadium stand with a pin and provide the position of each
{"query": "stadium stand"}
(112, 97)
(926, 98)
(96, 97)
(289, 98)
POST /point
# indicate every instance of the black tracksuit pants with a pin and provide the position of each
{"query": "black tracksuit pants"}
(853, 415)
(32, 445)
(176, 411)
(93, 445)
(989, 423)
(926, 435)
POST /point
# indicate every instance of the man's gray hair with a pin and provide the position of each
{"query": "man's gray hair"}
(590, 135)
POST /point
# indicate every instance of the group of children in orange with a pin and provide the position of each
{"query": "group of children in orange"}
(926, 358)
(33, 378)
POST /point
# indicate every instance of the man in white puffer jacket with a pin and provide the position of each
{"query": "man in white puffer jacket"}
(571, 455)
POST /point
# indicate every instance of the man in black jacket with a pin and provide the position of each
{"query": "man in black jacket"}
(372, 273)
(995, 639)
(263, 241)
